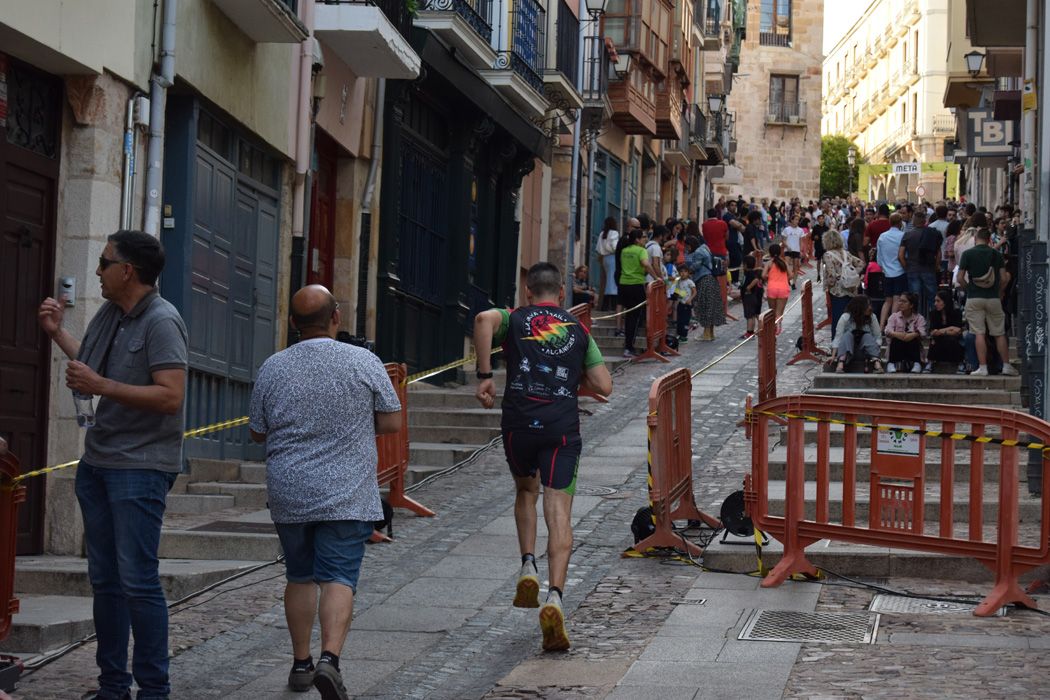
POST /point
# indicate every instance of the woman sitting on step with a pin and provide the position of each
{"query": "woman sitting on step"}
(946, 332)
(906, 328)
(858, 334)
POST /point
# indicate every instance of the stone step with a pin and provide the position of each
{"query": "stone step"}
(253, 473)
(47, 622)
(909, 382)
(966, 397)
(218, 544)
(778, 464)
(855, 561)
(457, 434)
(470, 417)
(453, 399)
(250, 495)
(213, 469)
(1029, 507)
(439, 454)
(55, 575)
(196, 503)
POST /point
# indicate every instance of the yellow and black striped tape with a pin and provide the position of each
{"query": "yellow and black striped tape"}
(982, 439)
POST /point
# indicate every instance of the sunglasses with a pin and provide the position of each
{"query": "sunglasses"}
(104, 262)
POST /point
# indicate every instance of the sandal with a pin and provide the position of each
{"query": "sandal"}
(840, 368)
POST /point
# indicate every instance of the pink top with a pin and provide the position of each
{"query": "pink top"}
(898, 324)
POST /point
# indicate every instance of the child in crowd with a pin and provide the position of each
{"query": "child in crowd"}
(751, 293)
(905, 329)
(670, 268)
(858, 333)
(685, 292)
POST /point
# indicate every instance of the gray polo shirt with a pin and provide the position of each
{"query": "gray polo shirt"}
(152, 336)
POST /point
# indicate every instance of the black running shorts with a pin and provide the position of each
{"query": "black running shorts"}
(555, 457)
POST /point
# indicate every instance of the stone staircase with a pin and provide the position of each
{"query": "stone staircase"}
(878, 562)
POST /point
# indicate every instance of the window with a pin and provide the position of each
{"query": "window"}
(775, 23)
(783, 98)
(639, 25)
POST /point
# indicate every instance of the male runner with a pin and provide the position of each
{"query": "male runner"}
(549, 355)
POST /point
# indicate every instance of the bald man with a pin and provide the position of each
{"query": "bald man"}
(318, 406)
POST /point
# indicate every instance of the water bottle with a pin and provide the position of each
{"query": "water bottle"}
(84, 403)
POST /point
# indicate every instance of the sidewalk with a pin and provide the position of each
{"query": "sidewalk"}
(433, 618)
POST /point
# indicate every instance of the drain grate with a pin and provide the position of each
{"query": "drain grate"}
(595, 491)
(884, 603)
(796, 626)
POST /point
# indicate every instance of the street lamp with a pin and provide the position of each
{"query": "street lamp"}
(714, 103)
(974, 61)
(596, 8)
(851, 158)
(622, 65)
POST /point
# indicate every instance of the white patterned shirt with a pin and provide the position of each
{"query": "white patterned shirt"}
(316, 402)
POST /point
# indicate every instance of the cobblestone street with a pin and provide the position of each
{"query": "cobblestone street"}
(433, 619)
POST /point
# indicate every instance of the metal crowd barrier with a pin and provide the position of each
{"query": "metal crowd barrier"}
(671, 462)
(898, 484)
(809, 349)
(582, 313)
(656, 324)
(393, 449)
(11, 494)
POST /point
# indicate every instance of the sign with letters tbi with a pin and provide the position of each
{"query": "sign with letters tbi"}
(986, 136)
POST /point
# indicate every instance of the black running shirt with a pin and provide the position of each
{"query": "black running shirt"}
(547, 353)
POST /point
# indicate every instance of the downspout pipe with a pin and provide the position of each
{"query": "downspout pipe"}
(128, 172)
(572, 231)
(1031, 51)
(378, 114)
(158, 98)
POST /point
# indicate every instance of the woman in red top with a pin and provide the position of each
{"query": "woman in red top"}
(715, 233)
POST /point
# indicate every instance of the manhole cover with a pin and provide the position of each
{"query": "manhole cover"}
(905, 604)
(795, 626)
(595, 491)
(237, 526)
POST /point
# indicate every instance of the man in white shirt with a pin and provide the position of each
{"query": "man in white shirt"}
(654, 249)
(793, 245)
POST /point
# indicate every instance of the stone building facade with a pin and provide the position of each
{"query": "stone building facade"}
(776, 101)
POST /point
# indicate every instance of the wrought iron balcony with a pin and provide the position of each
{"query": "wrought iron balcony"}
(595, 86)
(793, 113)
(697, 132)
(522, 48)
(476, 13)
(560, 78)
(711, 12)
(774, 39)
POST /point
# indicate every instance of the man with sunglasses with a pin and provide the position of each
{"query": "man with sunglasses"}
(133, 358)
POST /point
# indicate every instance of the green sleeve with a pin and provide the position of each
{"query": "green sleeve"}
(593, 358)
(504, 326)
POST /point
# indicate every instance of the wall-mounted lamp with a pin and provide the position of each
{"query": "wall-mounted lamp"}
(974, 61)
(714, 103)
(622, 65)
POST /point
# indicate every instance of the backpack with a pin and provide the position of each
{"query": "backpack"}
(848, 279)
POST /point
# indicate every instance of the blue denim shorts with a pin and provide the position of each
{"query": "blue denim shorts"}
(324, 552)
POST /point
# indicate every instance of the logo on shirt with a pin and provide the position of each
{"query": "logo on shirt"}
(564, 393)
(524, 365)
(561, 373)
(544, 368)
(551, 333)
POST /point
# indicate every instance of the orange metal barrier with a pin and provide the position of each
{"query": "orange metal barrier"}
(671, 462)
(767, 355)
(656, 323)
(723, 289)
(899, 485)
(809, 349)
(393, 449)
(10, 496)
(582, 313)
(827, 310)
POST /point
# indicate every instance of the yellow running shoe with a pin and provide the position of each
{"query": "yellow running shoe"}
(552, 624)
(528, 593)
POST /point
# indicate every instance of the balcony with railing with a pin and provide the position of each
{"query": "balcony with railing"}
(943, 125)
(716, 143)
(595, 86)
(266, 21)
(559, 78)
(465, 25)
(669, 96)
(898, 139)
(791, 113)
(519, 39)
(697, 132)
(676, 150)
(708, 14)
(370, 36)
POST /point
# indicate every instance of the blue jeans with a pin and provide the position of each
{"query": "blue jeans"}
(123, 510)
(924, 285)
(838, 307)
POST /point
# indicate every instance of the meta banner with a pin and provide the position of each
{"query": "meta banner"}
(986, 136)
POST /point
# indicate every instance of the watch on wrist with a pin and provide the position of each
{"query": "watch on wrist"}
(484, 375)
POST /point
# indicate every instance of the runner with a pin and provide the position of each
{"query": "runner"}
(549, 355)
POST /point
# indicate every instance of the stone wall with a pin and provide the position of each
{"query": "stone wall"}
(779, 161)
